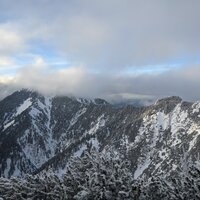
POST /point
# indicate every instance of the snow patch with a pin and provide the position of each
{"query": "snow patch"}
(140, 169)
(196, 107)
(95, 143)
(26, 104)
(100, 123)
(80, 151)
(194, 140)
(6, 171)
(178, 119)
(163, 120)
(8, 124)
(174, 167)
(77, 115)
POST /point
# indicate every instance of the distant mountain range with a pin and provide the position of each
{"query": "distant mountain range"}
(38, 133)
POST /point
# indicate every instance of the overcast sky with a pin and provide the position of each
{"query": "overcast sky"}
(102, 48)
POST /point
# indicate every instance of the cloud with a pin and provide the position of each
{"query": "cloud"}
(6, 61)
(105, 42)
(75, 81)
(12, 44)
(114, 34)
(78, 81)
(11, 41)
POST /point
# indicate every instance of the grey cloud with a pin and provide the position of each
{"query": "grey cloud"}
(7, 89)
(10, 40)
(106, 37)
(77, 81)
(113, 34)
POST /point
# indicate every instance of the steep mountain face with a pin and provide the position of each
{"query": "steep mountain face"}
(39, 133)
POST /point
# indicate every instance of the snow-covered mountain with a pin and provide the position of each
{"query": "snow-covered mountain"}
(39, 133)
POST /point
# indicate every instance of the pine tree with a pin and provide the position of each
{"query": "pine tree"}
(99, 176)
(93, 176)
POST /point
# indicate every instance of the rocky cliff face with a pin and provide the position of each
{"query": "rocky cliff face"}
(39, 133)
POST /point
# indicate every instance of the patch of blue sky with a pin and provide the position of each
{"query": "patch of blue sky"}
(9, 70)
(5, 16)
(151, 68)
(40, 47)
(47, 52)
(3, 19)
(171, 64)
(185, 60)
(23, 59)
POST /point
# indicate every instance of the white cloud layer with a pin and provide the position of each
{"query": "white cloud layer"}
(11, 41)
(78, 81)
(102, 39)
(110, 34)
(6, 61)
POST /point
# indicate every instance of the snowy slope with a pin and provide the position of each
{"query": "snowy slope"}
(39, 132)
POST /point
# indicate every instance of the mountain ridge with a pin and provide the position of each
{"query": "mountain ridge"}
(40, 132)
